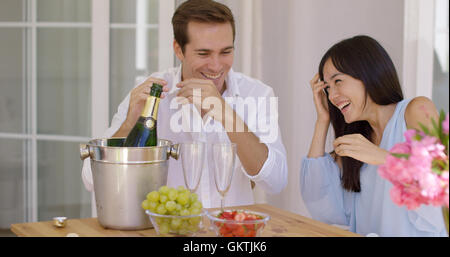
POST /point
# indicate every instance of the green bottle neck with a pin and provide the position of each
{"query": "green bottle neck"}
(156, 90)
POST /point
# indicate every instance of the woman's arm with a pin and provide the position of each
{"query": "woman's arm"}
(317, 148)
(420, 111)
(321, 190)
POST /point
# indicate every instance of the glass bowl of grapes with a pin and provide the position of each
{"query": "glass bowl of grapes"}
(174, 211)
(237, 223)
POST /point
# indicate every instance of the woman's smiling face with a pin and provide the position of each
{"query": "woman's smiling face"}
(345, 92)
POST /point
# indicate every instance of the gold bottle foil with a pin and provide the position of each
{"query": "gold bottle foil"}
(151, 107)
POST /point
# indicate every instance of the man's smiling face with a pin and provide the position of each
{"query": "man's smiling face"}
(209, 53)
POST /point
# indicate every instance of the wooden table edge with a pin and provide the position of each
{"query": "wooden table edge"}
(18, 228)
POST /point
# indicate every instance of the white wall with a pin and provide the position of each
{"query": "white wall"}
(296, 33)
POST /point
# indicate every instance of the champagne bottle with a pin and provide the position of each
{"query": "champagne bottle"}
(144, 131)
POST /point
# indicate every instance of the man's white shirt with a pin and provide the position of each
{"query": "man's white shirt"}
(272, 177)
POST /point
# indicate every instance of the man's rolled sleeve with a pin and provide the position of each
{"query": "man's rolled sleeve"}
(272, 177)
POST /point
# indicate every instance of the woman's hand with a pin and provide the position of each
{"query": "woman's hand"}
(320, 99)
(359, 148)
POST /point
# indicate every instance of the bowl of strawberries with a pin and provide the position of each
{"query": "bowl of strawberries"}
(237, 223)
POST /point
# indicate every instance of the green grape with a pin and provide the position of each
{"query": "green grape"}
(164, 228)
(152, 206)
(177, 202)
(163, 190)
(145, 205)
(193, 228)
(172, 194)
(163, 198)
(185, 212)
(197, 205)
(194, 221)
(185, 191)
(171, 205)
(161, 209)
(175, 223)
(195, 211)
(183, 231)
(174, 213)
(193, 198)
(184, 224)
(153, 196)
(159, 220)
(183, 199)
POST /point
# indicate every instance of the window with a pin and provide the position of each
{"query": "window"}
(134, 30)
(55, 89)
(440, 57)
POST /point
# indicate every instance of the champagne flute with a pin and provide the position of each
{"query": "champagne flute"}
(224, 156)
(192, 157)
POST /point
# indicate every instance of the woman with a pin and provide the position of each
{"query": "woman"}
(358, 91)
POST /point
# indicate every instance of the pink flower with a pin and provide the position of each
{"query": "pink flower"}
(442, 198)
(445, 124)
(395, 170)
(400, 196)
(404, 148)
(430, 185)
(414, 181)
(410, 134)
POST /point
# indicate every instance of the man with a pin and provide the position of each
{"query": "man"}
(204, 43)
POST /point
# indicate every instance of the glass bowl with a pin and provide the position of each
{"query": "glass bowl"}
(251, 224)
(166, 225)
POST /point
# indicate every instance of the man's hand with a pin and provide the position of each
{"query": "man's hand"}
(206, 88)
(138, 97)
(251, 152)
(359, 148)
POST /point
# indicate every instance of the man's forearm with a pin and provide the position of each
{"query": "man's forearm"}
(124, 130)
(252, 153)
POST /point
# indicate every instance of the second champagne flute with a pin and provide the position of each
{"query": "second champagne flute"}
(192, 158)
(224, 156)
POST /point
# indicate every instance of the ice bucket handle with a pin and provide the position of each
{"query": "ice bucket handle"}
(84, 151)
(174, 151)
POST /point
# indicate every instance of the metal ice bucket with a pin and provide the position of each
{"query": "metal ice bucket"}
(122, 178)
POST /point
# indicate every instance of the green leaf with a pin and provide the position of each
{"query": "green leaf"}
(424, 128)
(438, 165)
(442, 116)
(436, 170)
(401, 155)
(445, 142)
(436, 129)
(417, 137)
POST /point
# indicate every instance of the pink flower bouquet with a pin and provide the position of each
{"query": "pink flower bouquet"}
(419, 167)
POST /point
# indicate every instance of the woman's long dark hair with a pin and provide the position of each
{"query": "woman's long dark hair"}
(362, 58)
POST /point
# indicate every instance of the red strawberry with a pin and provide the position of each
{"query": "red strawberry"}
(239, 216)
(239, 231)
(226, 215)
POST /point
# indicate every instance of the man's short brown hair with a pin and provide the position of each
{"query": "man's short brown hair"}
(205, 11)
